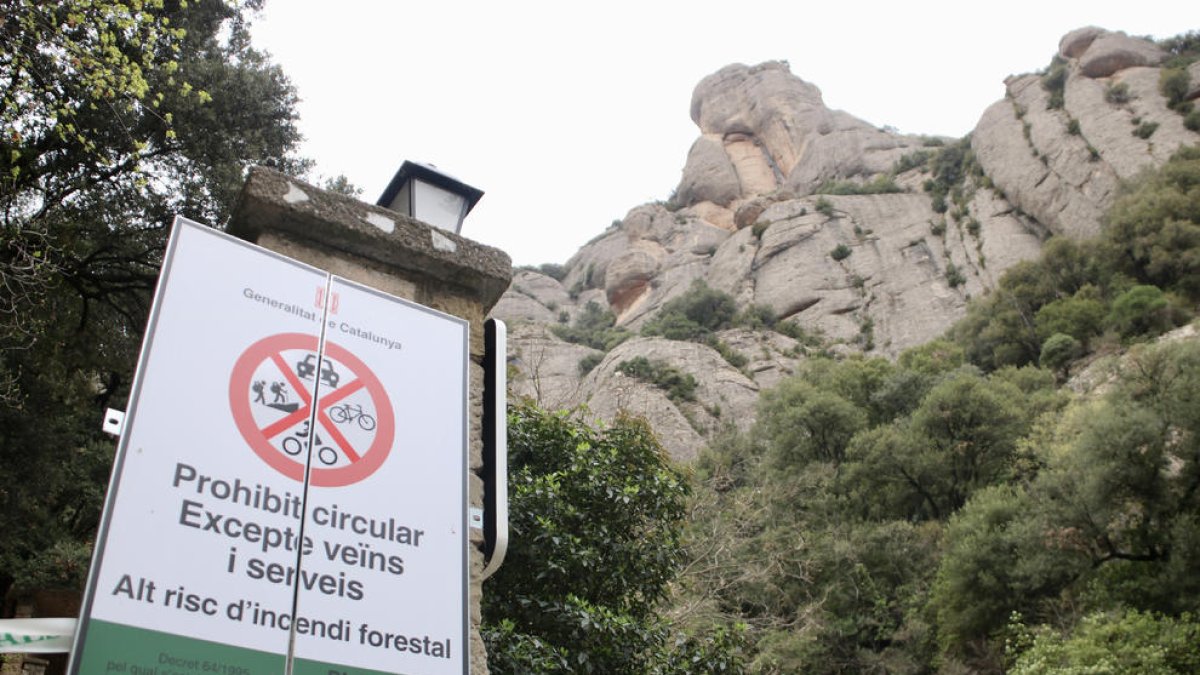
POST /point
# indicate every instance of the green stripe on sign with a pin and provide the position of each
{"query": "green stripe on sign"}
(116, 648)
(304, 667)
(113, 648)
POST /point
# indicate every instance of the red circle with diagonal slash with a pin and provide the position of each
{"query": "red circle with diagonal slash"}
(361, 464)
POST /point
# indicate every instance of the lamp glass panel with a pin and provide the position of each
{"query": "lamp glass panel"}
(438, 207)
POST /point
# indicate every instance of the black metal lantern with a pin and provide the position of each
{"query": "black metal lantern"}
(424, 192)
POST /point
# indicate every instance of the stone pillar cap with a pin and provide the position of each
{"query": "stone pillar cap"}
(273, 202)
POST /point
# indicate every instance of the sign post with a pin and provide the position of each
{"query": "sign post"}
(289, 493)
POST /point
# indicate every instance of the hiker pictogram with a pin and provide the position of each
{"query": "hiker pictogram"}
(271, 393)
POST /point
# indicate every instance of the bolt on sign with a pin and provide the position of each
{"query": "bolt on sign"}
(289, 493)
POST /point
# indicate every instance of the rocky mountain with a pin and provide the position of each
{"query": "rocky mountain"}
(858, 237)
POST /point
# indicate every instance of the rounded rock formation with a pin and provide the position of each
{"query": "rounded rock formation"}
(1113, 52)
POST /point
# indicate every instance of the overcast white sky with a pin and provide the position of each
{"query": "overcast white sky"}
(568, 114)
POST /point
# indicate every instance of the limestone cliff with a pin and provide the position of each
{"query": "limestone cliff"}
(870, 239)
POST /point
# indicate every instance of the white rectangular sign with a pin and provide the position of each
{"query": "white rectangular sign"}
(291, 481)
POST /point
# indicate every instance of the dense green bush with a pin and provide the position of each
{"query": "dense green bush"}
(954, 276)
(1054, 81)
(593, 327)
(1115, 643)
(1080, 316)
(1173, 85)
(701, 311)
(693, 315)
(1059, 351)
(840, 252)
(1141, 310)
(756, 317)
(1145, 129)
(794, 330)
(827, 518)
(678, 385)
(588, 363)
(1155, 227)
(1107, 519)
(917, 159)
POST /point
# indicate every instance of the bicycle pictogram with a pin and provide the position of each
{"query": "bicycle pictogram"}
(350, 413)
(355, 423)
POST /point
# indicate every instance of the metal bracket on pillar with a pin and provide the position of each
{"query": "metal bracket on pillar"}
(114, 422)
(495, 445)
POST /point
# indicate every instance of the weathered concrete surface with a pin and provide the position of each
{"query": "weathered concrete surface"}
(431, 266)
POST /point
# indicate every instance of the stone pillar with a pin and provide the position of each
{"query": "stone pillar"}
(395, 254)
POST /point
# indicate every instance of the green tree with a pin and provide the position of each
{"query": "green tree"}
(117, 117)
(1141, 310)
(966, 435)
(802, 423)
(1128, 486)
(1155, 227)
(1000, 330)
(962, 438)
(1129, 643)
(932, 358)
(1059, 351)
(595, 517)
(995, 563)
(678, 385)
(1080, 316)
(1107, 522)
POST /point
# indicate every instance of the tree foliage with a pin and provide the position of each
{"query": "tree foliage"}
(854, 537)
(1133, 282)
(1129, 643)
(1156, 227)
(894, 517)
(117, 116)
(594, 327)
(695, 315)
(595, 520)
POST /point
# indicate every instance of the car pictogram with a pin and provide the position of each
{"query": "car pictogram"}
(305, 369)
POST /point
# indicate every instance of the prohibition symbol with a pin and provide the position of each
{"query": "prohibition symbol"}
(270, 395)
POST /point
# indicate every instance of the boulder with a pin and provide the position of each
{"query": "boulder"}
(1110, 53)
(629, 275)
(1074, 44)
(532, 296)
(708, 174)
(776, 131)
(747, 214)
(1193, 82)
